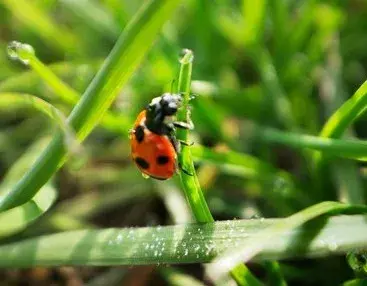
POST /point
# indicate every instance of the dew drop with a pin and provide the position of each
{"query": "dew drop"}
(333, 246)
(145, 176)
(20, 51)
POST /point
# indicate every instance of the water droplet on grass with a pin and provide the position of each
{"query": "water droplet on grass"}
(20, 51)
(145, 176)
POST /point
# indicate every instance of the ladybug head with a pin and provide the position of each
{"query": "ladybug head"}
(160, 108)
(165, 105)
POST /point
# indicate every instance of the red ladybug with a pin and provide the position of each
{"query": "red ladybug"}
(154, 146)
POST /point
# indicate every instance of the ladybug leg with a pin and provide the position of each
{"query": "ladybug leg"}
(185, 143)
(185, 171)
(184, 125)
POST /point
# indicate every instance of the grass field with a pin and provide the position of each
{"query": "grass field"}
(275, 188)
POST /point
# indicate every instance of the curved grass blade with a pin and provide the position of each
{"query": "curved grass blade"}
(18, 218)
(19, 100)
(128, 52)
(253, 246)
(346, 114)
(191, 243)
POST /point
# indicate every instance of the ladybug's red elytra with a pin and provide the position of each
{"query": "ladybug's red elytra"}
(154, 146)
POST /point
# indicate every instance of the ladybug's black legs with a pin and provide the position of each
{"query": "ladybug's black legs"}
(184, 125)
(185, 171)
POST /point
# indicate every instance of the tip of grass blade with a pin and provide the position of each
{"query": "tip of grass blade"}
(20, 51)
(187, 57)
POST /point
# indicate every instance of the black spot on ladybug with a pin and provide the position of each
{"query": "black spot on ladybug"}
(139, 133)
(162, 160)
(142, 163)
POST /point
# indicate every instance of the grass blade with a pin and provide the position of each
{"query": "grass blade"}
(128, 52)
(346, 114)
(251, 247)
(352, 149)
(18, 218)
(9, 100)
(184, 243)
(190, 181)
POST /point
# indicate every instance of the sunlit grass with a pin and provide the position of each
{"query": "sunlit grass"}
(277, 94)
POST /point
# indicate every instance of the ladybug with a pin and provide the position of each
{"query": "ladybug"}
(154, 146)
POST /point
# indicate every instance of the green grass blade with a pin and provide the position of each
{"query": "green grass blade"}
(18, 218)
(352, 149)
(251, 247)
(254, 13)
(128, 52)
(115, 123)
(191, 243)
(346, 114)
(17, 100)
(28, 81)
(190, 182)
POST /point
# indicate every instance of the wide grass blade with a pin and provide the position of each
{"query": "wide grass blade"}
(192, 243)
(253, 246)
(128, 52)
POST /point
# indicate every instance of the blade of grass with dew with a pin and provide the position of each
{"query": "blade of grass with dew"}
(128, 52)
(26, 54)
(191, 243)
(31, 15)
(189, 181)
(9, 100)
(352, 149)
(253, 246)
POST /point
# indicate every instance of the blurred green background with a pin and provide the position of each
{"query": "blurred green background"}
(283, 64)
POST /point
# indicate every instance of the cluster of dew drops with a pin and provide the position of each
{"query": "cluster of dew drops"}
(193, 244)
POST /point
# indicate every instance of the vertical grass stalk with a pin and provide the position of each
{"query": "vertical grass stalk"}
(190, 182)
